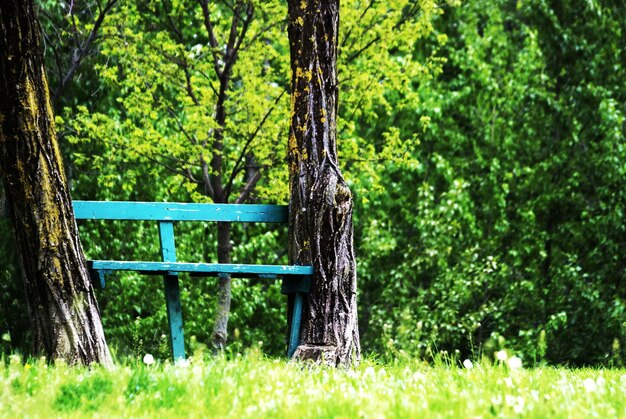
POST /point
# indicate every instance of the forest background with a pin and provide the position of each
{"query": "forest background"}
(484, 142)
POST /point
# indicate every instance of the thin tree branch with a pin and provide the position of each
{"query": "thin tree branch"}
(263, 31)
(206, 76)
(55, 52)
(81, 50)
(349, 32)
(193, 140)
(359, 52)
(357, 106)
(238, 165)
(236, 39)
(204, 4)
(183, 172)
(207, 178)
(247, 189)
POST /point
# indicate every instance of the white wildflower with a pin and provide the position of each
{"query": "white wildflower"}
(182, 362)
(600, 381)
(514, 363)
(148, 359)
(468, 364)
(197, 370)
(418, 376)
(501, 355)
(516, 402)
(590, 385)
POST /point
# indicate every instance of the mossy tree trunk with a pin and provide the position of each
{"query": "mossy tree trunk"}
(321, 203)
(62, 306)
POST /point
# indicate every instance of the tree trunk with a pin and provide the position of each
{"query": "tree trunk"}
(320, 216)
(220, 328)
(62, 306)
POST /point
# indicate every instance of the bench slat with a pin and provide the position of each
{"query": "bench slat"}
(177, 211)
(210, 269)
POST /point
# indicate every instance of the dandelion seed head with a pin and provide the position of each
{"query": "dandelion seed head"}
(514, 363)
(590, 385)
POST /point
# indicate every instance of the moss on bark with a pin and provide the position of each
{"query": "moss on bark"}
(61, 301)
(321, 202)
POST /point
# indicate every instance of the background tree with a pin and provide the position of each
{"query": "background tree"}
(62, 305)
(496, 237)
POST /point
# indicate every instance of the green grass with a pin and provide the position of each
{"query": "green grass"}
(252, 386)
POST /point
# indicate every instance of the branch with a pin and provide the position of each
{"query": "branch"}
(245, 192)
(173, 27)
(238, 165)
(263, 32)
(185, 173)
(207, 178)
(232, 36)
(57, 58)
(357, 106)
(359, 52)
(206, 76)
(235, 39)
(81, 50)
(189, 137)
(349, 33)
(204, 4)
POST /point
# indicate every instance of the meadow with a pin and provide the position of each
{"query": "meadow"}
(252, 385)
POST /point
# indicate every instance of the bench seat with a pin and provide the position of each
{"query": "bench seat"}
(198, 269)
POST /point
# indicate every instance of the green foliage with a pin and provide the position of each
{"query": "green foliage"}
(88, 395)
(159, 389)
(509, 227)
(158, 64)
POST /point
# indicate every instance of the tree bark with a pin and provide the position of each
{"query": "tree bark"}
(320, 217)
(61, 302)
(220, 328)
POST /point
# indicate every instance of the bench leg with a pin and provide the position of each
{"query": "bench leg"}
(296, 319)
(174, 316)
(172, 291)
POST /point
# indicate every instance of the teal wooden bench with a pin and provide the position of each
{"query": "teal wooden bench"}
(296, 279)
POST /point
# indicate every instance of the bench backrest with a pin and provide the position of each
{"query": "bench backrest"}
(175, 211)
